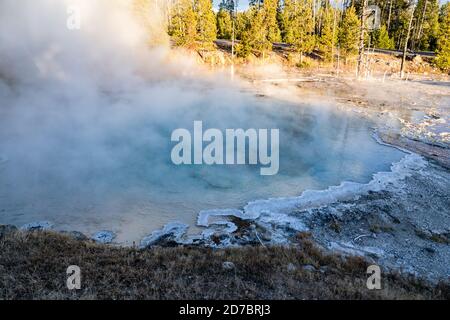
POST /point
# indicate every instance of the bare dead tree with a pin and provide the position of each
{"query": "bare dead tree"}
(419, 33)
(334, 31)
(405, 47)
(361, 38)
(389, 15)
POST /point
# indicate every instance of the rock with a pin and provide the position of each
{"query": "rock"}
(324, 269)
(37, 226)
(309, 268)
(219, 237)
(170, 235)
(76, 235)
(104, 236)
(291, 267)
(266, 236)
(228, 265)
(7, 229)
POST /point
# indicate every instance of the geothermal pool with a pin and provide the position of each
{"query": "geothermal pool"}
(109, 167)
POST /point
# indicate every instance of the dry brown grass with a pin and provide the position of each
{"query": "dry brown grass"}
(33, 266)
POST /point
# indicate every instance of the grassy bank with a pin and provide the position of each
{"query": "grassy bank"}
(33, 266)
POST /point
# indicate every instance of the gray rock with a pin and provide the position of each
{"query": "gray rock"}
(76, 235)
(170, 234)
(228, 265)
(37, 226)
(324, 269)
(291, 267)
(219, 237)
(104, 236)
(266, 236)
(309, 268)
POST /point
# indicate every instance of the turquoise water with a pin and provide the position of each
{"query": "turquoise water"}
(110, 167)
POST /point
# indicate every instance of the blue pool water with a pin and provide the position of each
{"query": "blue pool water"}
(110, 168)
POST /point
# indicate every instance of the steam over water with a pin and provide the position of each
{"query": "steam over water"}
(86, 119)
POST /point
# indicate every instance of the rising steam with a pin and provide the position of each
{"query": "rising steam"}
(86, 118)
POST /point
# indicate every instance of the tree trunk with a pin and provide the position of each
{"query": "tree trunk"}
(334, 35)
(389, 16)
(419, 34)
(361, 39)
(405, 48)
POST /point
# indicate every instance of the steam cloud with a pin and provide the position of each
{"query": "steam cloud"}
(86, 118)
(86, 115)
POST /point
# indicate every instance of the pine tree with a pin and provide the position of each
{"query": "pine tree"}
(349, 34)
(224, 24)
(427, 24)
(270, 8)
(298, 23)
(228, 5)
(206, 22)
(443, 43)
(241, 23)
(382, 40)
(193, 23)
(261, 28)
(328, 35)
(183, 27)
(254, 37)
